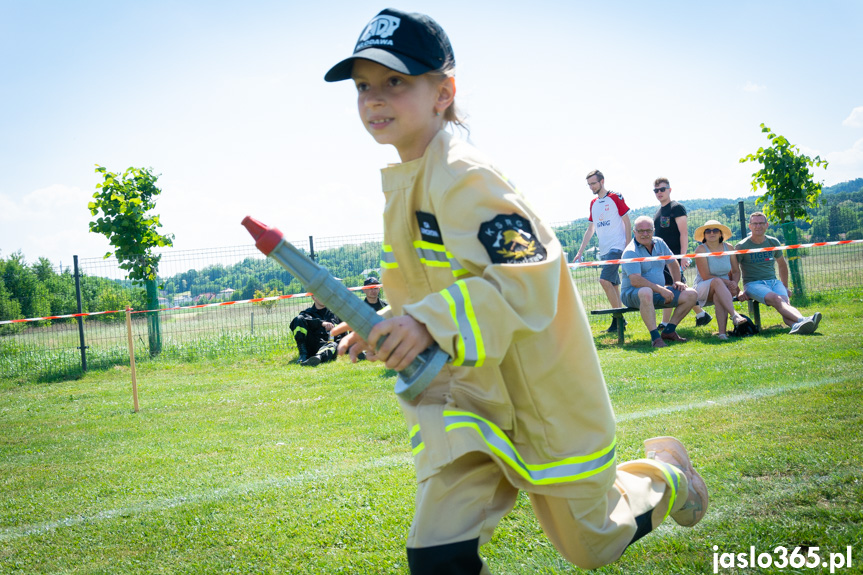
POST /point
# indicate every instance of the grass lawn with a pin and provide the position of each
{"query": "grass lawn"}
(237, 465)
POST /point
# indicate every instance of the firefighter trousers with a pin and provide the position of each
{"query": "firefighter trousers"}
(463, 503)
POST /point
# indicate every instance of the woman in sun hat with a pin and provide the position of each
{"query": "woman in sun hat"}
(718, 276)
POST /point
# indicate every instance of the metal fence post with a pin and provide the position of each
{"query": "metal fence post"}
(83, 346)
(312, 248)
(742, 215)
(797, 285)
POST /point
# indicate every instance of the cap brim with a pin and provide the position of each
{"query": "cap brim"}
(397, 62)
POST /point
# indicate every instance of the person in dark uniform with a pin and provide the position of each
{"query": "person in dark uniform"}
(373, 298)
(373, 294)
(311, 329)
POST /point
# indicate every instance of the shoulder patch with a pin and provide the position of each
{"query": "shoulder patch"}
(429, 228)
(510, 240)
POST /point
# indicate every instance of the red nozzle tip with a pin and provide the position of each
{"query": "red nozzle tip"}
(266, 238)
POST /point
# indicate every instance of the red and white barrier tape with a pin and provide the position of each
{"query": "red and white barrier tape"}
(712, 254)
(578, 265)
(253, 300)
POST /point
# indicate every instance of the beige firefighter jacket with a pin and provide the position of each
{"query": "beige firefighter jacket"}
(466, 255)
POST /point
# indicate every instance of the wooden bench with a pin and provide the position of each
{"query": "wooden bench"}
(618, 312)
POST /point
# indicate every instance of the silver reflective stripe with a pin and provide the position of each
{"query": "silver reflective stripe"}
(467, 328)
(672, 475)
(568, 470)
(457, 270)
(432, 256)
(388, 258)
(417, 444)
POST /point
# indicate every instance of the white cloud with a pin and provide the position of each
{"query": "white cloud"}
(49, 222)
(855, 119)
(753, 87)
(844, 165)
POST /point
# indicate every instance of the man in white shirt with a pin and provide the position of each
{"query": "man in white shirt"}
(609, 218)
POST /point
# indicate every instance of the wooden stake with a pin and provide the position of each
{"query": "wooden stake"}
(132, 357)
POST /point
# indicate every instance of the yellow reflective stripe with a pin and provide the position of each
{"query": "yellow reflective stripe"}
(566, 470)
(432, 255)
(672, 477)
(437, 256)
(459, 344)
(417, 444)
(388, 258)
(300, 329)
(474, 324)
(563, 471)
(457, 270)
(470, 349)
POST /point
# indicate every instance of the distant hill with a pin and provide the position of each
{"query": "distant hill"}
(849, 186)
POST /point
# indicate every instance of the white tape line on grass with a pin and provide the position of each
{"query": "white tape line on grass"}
(215, 495)
(392, 461)
(730, 399)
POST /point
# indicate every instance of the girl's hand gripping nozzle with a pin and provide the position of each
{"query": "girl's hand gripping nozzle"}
(348, 307)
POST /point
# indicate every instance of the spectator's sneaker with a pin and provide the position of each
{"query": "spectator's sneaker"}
(661, 326)
(312, 361)
(722, 336)
(816, 319)
(703, 320)
(669, 450)
(804, 326)
(361, 356)
(658, 343)
(672, 336)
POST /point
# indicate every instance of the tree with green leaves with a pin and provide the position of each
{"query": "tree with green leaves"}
(785, 174)
(790, 188)
(267, 305)
(125, 202)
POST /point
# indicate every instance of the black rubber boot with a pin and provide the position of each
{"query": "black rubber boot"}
(460, 558)
(304, 355)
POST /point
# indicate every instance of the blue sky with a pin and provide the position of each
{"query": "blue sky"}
(226, 100)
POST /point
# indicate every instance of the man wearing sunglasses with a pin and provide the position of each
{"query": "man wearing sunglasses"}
(609, 218)
(670, 222)
(759, 276)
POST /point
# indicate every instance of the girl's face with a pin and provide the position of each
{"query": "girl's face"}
(398, 109)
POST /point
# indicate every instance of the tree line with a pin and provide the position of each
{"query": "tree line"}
(38, 290)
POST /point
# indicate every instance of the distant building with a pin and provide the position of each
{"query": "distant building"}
(184, 298)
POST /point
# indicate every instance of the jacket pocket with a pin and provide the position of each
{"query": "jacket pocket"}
(482, 391)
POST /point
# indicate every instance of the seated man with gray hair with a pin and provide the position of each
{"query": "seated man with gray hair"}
(643, 285)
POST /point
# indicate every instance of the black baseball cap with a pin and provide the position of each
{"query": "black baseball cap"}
(371, 280)
(409, 43)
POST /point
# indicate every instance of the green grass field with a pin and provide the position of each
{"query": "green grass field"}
(238, 465)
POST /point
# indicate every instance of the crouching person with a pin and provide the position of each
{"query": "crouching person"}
(311, 329)
(643, 283)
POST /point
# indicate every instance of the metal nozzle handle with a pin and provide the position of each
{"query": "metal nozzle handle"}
(349, 308)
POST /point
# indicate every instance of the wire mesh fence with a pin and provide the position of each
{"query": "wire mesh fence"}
(52, 349)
